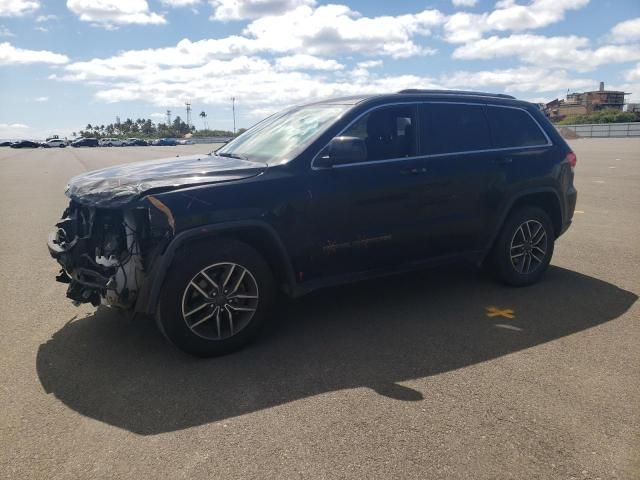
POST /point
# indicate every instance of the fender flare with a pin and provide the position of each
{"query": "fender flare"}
(149, 294)
(509, 205)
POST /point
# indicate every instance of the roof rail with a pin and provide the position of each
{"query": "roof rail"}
(457, 92)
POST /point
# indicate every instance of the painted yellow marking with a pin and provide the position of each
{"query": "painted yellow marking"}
(579, 211)
(498, 312)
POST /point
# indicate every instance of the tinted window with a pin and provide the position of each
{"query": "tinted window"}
(512, 127)
(449, 128)
(387, 132)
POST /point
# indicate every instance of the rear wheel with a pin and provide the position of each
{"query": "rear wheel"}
(523, 250)
(216, 299)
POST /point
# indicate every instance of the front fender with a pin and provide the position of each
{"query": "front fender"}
(150, 293)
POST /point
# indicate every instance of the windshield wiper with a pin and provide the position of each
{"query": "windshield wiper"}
(232, 155)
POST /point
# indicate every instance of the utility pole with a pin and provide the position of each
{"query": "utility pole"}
(233, 107)
(188, 105)
(168, 118)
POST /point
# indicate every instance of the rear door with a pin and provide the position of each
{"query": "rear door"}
(455, 170)
(523, 157)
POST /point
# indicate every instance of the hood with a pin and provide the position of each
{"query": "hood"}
(117, 186)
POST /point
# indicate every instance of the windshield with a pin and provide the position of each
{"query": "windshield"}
(278, 137)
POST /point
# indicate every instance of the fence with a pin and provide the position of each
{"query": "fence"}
(605, 129)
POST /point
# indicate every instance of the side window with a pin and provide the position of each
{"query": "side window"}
(450, 128)
(512, 127)
(387, 132)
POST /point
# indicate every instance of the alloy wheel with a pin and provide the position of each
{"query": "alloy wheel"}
(528, 248)
(220, 300)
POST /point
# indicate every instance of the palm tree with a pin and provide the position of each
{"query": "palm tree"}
(203, 115)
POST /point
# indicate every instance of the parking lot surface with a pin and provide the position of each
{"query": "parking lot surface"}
(432, 375)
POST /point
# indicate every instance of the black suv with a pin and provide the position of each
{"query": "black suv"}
(321, 194)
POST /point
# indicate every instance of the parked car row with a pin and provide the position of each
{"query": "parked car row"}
(94, 142)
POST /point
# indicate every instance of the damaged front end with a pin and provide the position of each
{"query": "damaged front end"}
(102, 253)
(115, 228)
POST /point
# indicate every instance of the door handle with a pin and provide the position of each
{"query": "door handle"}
(414, 171)
(503, 160)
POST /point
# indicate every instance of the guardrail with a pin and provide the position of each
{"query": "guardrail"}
(605, 130)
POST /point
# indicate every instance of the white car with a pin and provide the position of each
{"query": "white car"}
(111, 142)
(55, 142)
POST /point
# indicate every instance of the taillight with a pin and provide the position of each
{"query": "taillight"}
(572, 159)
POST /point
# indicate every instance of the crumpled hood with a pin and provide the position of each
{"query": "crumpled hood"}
(116, 186)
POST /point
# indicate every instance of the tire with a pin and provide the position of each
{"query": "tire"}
(183, 308)
(531, 248)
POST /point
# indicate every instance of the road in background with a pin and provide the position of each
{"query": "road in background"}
(394, 378)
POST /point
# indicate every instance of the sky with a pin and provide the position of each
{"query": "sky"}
(66, 64)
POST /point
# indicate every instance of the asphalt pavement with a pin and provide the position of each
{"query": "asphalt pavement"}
(441, 374)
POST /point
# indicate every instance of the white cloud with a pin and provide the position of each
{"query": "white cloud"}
(249, 9)
(180, 3)
(302, 61)
(361, 71)
(562, 52)
(626, 32)
(17, 8)
(370, 64)
(110, 13)
(329, 29)
(308, 52)
(166, 79)
(516, 80)
(41, 99)
(45, 18)
(633, 75)
(464, 3)
(17, 131)
(10, 55)
(463, 27)
(380, 36)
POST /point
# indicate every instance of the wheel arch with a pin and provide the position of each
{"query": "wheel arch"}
(545, 198)
(259, 235)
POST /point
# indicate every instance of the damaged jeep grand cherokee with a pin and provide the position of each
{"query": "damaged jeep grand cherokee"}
(317, 195)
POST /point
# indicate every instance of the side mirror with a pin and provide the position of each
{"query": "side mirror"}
(342, 150)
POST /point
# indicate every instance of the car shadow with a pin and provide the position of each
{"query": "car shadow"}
(374, 334)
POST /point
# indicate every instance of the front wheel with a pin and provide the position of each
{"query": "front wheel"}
(523, 250)
(216, 299)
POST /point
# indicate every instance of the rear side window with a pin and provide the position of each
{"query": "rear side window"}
(451, 128)
(512, 127)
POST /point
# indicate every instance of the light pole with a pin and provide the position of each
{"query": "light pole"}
(233, 107)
